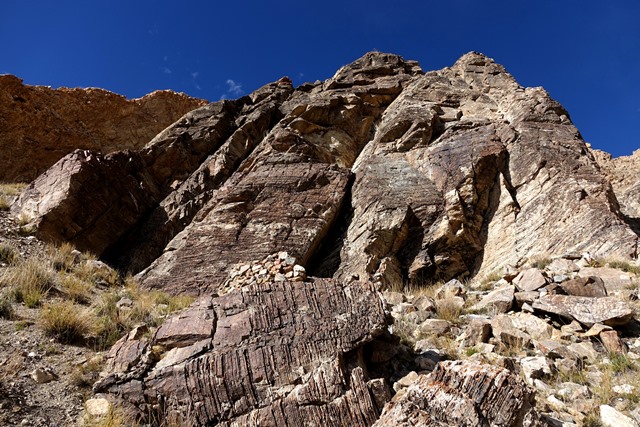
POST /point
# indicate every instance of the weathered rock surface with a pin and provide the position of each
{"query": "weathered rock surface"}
(588, 311)
(623, 173)
(271, 354)
(40, 125)
(463, 394)
(381, 171)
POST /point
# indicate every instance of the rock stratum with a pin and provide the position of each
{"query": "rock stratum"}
(50, 123)
(287, 211)
(382, 172)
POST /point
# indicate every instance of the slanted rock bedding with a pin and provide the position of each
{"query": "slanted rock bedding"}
(386, 247)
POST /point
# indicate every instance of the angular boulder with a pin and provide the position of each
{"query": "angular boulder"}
(588, 311)
(463, 393)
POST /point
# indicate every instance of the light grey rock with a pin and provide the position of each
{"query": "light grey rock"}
(611, 417)
(588, 311)
(530, 280)
(497, 301)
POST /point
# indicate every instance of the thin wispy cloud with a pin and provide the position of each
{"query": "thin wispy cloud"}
(234, 89)
(194, 77)
(166, 70)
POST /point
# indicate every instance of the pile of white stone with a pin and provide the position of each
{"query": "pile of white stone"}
(280, 267)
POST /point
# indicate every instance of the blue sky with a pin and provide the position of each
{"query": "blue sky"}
(585, 53)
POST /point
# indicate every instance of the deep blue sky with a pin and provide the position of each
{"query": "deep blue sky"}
(585, 53)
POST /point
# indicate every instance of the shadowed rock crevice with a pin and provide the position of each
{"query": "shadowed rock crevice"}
(326, 259)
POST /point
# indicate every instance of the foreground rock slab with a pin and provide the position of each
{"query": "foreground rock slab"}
(588, 311)
(460, 393)
(273, 354)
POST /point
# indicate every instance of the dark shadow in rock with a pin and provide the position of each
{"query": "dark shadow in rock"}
(326, 259)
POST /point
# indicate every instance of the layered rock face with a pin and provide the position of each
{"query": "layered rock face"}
(277, 353)
(623, 174)
(50, 123)
(380, 172)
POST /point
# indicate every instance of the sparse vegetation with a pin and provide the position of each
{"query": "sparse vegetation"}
(4, 203)
(6, 309)
(11, 188)
(8, 254)
(592, 420)
(116, 417)
(625, 266)
(620, 363)
(448, 309)
(29, 281)
(65, 321)
(540, 262)
(491, 277)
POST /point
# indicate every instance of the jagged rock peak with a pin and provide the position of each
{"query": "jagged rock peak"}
(375, 64)
(379, 172)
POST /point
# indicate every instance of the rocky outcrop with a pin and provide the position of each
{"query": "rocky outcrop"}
(40, 125)
(623, 172)
(380, 172)
(277, 353)
(461, 393)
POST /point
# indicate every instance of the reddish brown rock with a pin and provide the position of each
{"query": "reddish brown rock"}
(275, 354)
(40, 125)
(585, 287)
(463, 393)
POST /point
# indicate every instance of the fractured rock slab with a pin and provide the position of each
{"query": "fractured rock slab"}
(278, 353)
(588, 311)
(463, 393)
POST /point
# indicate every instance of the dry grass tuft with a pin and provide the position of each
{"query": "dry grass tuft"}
(75, 288)
(6, 309)
(116, 417)
(66, 322)
(8, 254)
(625, 266)
(11, 188)
(29, 281)
(63, 257)
(4, 203)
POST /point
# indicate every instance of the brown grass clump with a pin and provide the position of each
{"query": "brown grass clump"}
(63, 257)
(6, 309)
(29, 281)
(4, 203)
(8, 254)
(66, 322)
(11, 188)
(75, 288)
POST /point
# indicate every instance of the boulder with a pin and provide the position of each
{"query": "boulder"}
(497, 301)
(611, 417)
(588, 311)
(591, 286)
(460, 393)
(530, 280)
